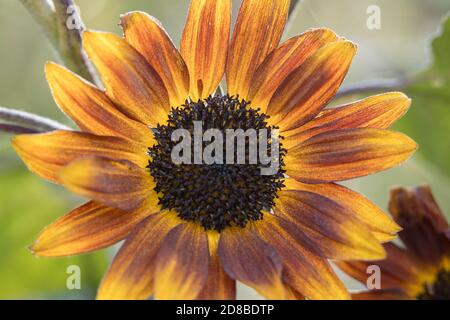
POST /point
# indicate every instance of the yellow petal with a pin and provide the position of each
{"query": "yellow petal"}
(346, 154)
(309, 88)
(304, 271)
(128, 78)
(282, 61)
(382, 226)
(91, 109)
(204, 44)
(87, 228)
(117, 184)
(45, 154)
(380, 111)
(258, 31)
(131, 274)
(219, 285)
(252, 261)
(146, 34)
(331, 228)
(182, 263)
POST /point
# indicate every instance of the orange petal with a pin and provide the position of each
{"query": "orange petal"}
(45, 154)
(119, 184)
(380, 295)
(131, 274)
(91, 109)
(219, 285)
(146, 34)
(258, 31)
(398, 270)
(204, 44)
(332, 228)
(282, 61)
(89, 227)
(382, 226)
(182, 263)
(249, 259)
(309, 88)
(380, 111)
(346, 154)
(304, 271)
(128, 78)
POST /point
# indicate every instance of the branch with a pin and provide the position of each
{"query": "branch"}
(15, 129)
(29, 121)
(293, 6)
(63, 26)
(373, 86)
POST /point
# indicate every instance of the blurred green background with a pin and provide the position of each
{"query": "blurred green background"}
(402, 48)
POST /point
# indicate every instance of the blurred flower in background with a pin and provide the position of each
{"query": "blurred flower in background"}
(421, 269)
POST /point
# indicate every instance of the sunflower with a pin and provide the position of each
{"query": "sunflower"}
(420, 269)
(192, 231)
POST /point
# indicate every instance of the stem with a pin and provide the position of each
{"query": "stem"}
(30, 121)
(65, 36)
(293, 6)
(373, 86)
(15, 129)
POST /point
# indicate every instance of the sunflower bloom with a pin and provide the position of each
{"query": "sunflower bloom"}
(421, 269)
(192, 231)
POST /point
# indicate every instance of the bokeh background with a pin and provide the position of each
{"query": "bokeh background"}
(401, 49)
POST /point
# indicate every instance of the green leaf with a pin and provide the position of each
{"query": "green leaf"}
(428, 121)
(28, 205)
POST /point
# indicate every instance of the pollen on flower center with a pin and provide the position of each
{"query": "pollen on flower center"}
(439, 290)
(215, 195)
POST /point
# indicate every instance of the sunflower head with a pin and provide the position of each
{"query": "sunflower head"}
(420, 270)
(192, 230)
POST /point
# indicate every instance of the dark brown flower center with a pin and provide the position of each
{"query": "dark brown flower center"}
(439, 290)
(220, 194)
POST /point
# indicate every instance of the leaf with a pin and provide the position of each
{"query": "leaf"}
(428, 121)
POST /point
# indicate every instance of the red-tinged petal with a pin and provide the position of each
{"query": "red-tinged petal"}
(146, 34)
(305, 271)
(309, 88)
(258, 31)
(91, 109)
(182, 263)
(380, 295)
(219, 285)
(332, 228)
(119, 184)
(131, 275)
(280, 62)
(424, 225)
(252, 261)
(379, 111)
(398, 270)
(204, 44)
(346, 154)
(382, 226)
(45, 154)
(129, 79)
(89, 227)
